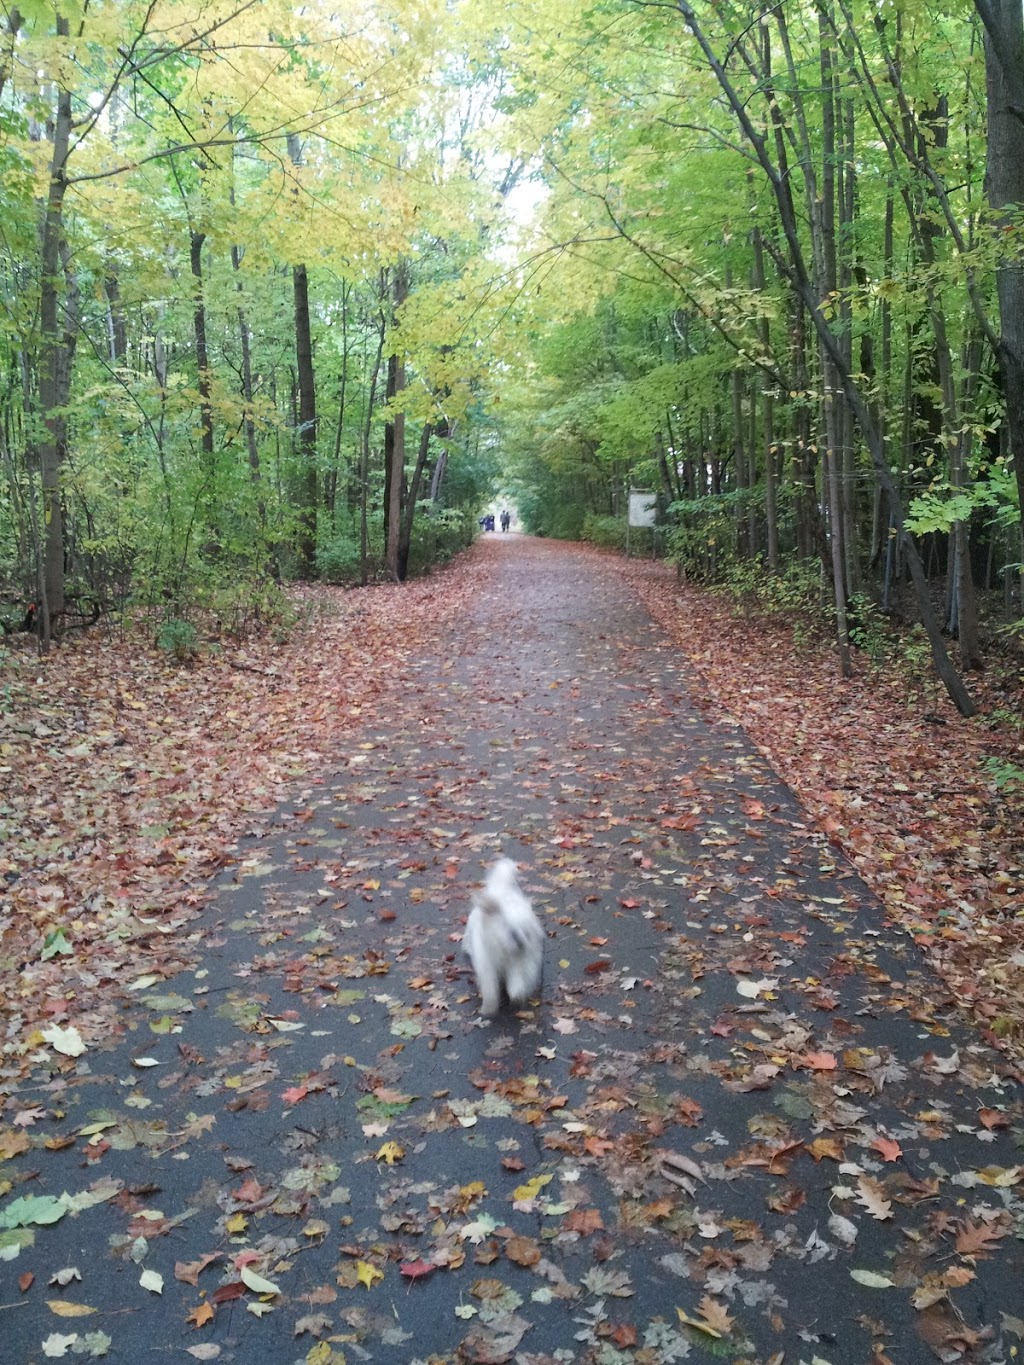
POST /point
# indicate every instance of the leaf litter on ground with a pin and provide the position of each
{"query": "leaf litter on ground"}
(673, 1155)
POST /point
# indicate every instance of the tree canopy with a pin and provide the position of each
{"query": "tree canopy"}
(291, 292)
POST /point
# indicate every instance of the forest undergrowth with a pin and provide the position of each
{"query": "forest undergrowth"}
(900, 782)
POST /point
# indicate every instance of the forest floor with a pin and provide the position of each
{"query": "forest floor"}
(248, 1110)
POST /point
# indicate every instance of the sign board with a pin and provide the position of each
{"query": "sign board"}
(642, 509)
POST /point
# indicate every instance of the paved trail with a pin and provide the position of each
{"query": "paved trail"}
(741, 1098)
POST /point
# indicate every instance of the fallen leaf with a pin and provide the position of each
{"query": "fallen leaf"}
(257, 1283)
(367, 1274)
(872, 1279)
(67, 1041)
(56, 1345)
(532, 1187)
(887, 1149)
(978, 1239)
(417, 1270)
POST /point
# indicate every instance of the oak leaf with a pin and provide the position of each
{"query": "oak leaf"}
(978, 1239)
(871, 1195)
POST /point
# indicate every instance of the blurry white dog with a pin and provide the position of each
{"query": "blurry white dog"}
(504, 940)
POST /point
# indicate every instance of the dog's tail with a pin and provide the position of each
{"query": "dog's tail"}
(500, 880)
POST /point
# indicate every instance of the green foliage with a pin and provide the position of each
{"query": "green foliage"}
(702, 538)
(338, 559)
(547, 511)
(867, 629)
(177, 638)
(1007, 777)
(796, 594)
(249, 605)
(940, 505)
(608, 532)
(439, 533)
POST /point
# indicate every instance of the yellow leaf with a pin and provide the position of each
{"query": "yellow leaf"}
(12, 1143)
(532, 1187)
(322, 1354)
(476, 1189)
(237, 1223)
(63, 1309)
(368, 1274)
(696, 1322)
(1001, 1177)
(391, 1152)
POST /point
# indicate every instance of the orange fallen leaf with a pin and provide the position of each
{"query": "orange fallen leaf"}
(584, 1221)
(978, 1239)
(817, 1061)
(826, 1147)
(887, 1149)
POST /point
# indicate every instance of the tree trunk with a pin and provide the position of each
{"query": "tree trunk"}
(1004, 184)
(51, 362)
(331, 485)
(248, 422)
(308, 480)
(307, 423)
(196, 240)
(394, 443)
(405, 540)
(364, 455)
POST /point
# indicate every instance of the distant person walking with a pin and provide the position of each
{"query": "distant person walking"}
(506, 520)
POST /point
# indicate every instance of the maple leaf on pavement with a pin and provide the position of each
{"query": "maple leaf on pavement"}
(888, 1150)
(200, 1316)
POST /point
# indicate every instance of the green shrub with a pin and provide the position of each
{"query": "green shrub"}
(1007, 777)
(177, 638)
(337, 560)
(611, 533)
(868, 629)
(797, 591)
(248, 606)
(438, 534)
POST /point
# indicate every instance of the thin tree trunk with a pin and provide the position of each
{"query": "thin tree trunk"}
(307, 421)
(307, 444)
(1004, 183)
(51, 360)
(364, 455)
(331, 491)
(196, 240)
(394, 442)
(248, 423)
(768, 420)
(405, 540)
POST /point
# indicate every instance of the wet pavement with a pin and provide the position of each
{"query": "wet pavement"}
(743, 1122)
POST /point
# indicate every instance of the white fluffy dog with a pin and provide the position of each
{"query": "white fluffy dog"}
(504, 940)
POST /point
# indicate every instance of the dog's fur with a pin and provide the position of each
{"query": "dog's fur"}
(504, 940)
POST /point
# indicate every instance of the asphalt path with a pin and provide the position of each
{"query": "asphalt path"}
(743, 1121)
